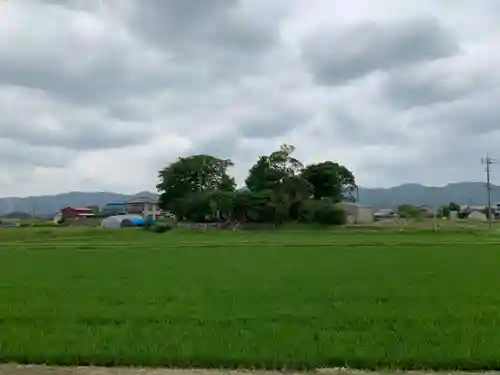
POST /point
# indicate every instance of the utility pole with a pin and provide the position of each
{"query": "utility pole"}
(488, 162)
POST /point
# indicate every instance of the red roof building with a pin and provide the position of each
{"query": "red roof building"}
(75, 212)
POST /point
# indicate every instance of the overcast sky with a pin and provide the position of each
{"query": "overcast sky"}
(100, 94)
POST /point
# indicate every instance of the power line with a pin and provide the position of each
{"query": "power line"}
(488, 162)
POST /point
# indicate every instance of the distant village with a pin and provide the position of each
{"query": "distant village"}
(135, 211)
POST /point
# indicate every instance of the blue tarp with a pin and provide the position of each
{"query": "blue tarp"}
(138, 221)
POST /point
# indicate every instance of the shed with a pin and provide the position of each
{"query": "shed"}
(123, 221)
(356, 213)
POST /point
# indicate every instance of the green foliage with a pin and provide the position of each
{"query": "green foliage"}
(322, 212)
(328, 214)
(409, 211)
(329, 180)
(191, 175)
(454, 206)
(271, 172)
(274, 300)
(444, 211)
(198, 188)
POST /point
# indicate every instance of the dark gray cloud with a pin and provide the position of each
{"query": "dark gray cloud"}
(434, 83)
(14, 154)
(470, 117)
(32, 118)
(343, 54)
(192, 28)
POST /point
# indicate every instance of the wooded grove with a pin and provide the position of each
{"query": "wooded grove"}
(278, 188)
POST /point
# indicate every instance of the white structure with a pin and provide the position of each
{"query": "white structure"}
(116, 221)
(143, 205)
(57, 218)
(356, 213)
(478, 216)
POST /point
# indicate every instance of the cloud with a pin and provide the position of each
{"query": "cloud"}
(110, 91)
(336, 56)
(31, 117)
(441, 81)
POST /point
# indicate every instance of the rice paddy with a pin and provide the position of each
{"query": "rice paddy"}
(285, 299)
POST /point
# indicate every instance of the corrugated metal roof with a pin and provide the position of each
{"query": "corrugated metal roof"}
(142, 200)
(83, 209)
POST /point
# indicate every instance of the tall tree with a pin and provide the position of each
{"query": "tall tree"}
(270, 171)
(279, 173)
(329, 180)
(191, 175)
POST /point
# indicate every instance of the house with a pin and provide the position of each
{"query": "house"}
(76, 212)
(145, 206)
(114, 208)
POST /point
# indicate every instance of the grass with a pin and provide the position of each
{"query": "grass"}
(294, 299)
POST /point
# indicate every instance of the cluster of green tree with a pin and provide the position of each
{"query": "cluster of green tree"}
(444, 211)
(278, 188)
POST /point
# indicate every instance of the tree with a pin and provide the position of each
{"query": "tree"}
(329, 180)
(181, 181)
(409, 211)
(94, 208)
(443, 211)
(264, 206)
(279, 173)
(454, 207)
(271, 171)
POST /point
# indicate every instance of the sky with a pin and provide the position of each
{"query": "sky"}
(98, 95)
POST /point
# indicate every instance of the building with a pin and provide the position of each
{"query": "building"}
(145, 206)
(356, 213)
(114, 208)
(76, 212)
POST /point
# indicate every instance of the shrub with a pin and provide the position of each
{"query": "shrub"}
(328, 214)
(148, 223)
(162, 228)
(322, 212)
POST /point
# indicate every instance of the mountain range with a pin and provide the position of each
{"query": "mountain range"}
(472, 193)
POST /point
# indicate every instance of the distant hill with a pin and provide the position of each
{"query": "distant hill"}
(473, 193)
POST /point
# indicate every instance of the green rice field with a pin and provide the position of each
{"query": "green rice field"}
(284, 299)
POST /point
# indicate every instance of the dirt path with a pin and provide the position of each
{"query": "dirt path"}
(47, 370)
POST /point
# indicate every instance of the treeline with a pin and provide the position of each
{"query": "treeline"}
(278, 188)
